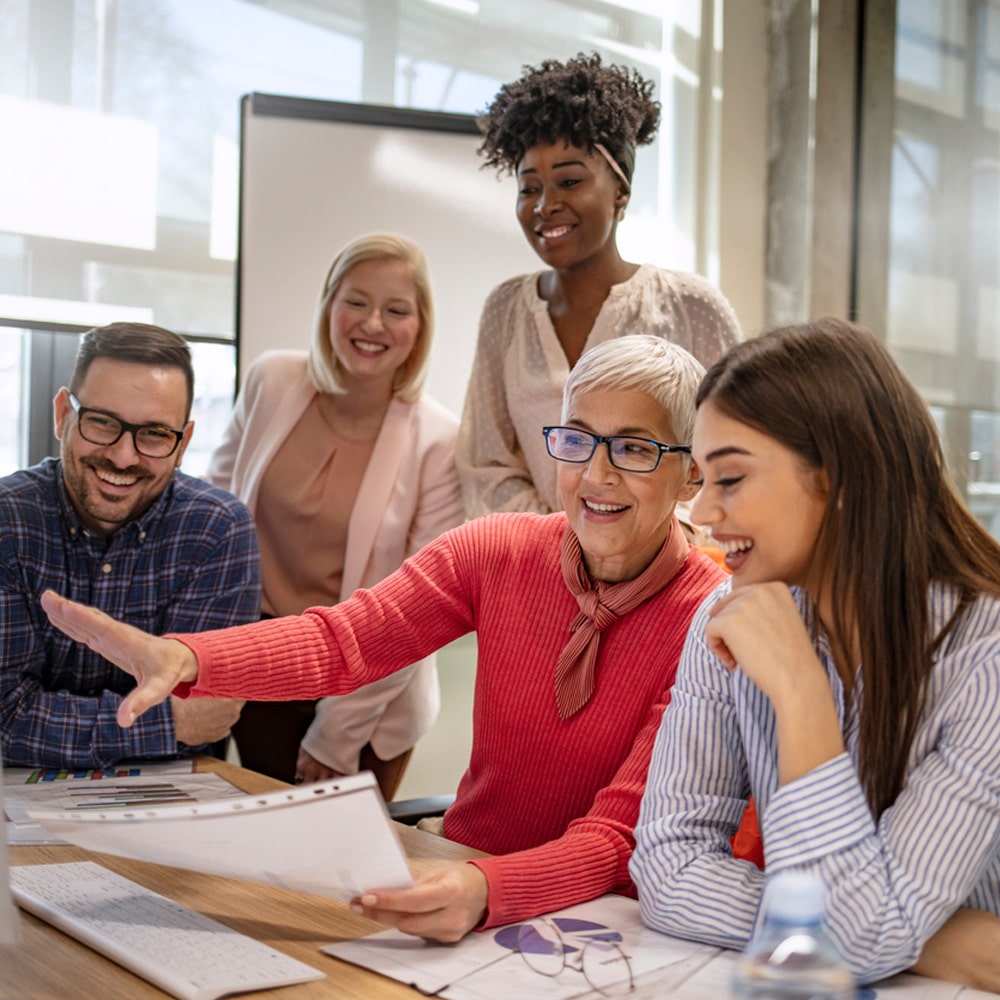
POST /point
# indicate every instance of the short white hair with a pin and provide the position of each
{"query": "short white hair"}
(641, 363)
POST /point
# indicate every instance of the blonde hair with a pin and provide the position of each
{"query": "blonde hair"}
(641, 363)
(324, 368)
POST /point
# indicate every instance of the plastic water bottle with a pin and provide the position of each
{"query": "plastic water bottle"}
(791, 957)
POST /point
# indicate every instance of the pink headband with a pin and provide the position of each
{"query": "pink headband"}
(613, 163)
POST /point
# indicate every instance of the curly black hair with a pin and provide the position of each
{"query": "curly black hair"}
(580, 101)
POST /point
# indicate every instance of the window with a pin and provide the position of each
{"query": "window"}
(935, 289)
(118, 187)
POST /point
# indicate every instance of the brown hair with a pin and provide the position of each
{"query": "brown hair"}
(893, 523)
(137, 343)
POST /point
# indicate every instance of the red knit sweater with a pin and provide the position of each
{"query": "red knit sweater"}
(557, 800)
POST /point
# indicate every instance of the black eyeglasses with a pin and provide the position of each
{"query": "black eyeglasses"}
(630, 454)
(98, 427)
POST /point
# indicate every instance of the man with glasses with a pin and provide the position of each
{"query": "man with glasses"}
(114, 522)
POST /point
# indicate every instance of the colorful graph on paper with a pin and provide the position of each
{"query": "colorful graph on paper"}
(94, 774)
(85, 793)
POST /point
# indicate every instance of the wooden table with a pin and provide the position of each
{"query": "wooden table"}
(49, 965)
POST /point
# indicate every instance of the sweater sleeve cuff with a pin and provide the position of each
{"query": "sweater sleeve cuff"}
(493, 914)
(822, 812)
(187, 688)
(549, 877)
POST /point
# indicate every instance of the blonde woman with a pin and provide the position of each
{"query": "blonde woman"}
(348, 468)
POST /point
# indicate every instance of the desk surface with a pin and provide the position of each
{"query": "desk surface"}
(49, 965)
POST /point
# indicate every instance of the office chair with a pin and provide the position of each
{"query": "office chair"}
(411, 811)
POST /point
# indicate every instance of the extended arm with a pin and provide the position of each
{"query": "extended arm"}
(324, 651)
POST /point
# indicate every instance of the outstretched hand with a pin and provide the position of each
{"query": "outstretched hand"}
(158, 665)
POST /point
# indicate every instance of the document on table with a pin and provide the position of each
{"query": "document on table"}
(487, 966)
(331, 839)
(123, 769)
(121, 787)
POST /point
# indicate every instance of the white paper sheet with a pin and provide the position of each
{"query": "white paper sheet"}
(487, 967)
(331, 839)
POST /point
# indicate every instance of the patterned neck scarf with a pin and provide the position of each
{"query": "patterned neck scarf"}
(601, 605)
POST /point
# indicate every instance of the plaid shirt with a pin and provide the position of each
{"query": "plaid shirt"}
(189, 563)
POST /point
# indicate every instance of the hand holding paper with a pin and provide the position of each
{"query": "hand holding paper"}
(158, 665)
(443, 905)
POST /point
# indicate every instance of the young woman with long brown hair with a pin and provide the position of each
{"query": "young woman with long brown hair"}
(847, 676)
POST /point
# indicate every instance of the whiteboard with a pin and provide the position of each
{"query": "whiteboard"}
(315, 174)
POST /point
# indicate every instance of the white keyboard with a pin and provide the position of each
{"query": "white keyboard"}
(178, 949)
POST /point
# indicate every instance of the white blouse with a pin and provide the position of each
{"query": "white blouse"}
(520, 369)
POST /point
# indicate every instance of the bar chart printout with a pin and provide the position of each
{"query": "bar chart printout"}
(102, 791)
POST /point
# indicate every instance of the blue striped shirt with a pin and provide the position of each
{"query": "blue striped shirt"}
(891, 884)
(188, 563)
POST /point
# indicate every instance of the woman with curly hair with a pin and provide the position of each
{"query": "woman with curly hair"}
(568, 132)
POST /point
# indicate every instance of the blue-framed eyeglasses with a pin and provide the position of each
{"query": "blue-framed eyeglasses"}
(98, 427)
(630, 454)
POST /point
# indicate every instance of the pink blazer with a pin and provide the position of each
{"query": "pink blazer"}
(408, 496)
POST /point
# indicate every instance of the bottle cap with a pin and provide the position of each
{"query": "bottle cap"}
(794, 896)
